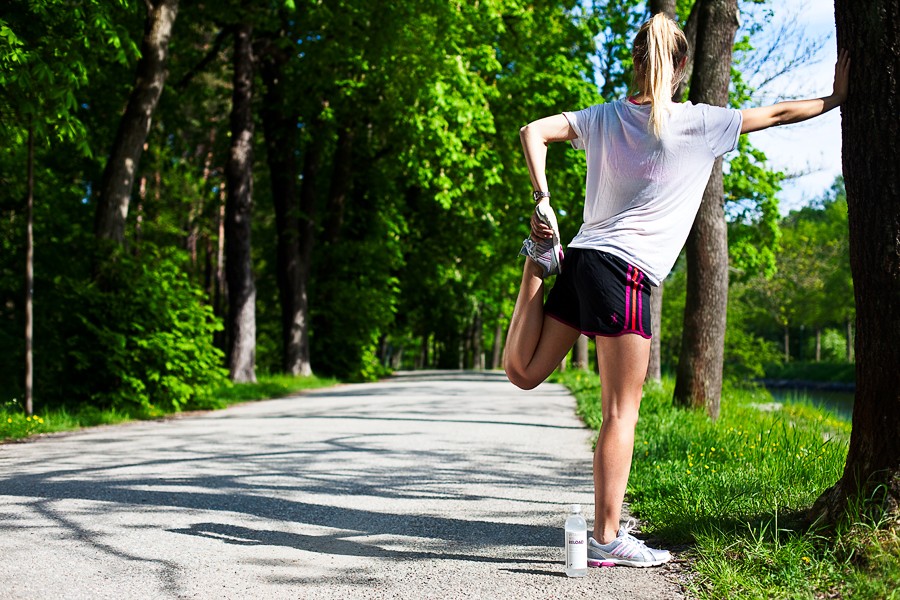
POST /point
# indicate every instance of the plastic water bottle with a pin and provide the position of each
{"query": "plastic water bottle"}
(576, 543)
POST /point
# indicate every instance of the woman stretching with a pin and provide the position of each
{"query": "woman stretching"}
(648, 162)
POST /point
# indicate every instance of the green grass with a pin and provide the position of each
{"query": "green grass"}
(736, 491)
(269, 386)
(15, 425)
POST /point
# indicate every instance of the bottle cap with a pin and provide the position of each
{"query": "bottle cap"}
(575, 508)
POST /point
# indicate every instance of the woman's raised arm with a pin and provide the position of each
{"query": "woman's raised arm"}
(535, 136)
(756, 119)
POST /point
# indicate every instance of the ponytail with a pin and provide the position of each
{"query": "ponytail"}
(659, 48)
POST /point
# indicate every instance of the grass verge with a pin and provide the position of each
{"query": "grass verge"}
(15, 425)
(736, 490)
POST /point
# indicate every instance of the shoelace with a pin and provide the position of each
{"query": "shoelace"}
(630, 526)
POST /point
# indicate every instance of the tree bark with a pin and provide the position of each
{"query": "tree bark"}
(117, 181)
(29, 279)
(220, 297)
(238, 212)
(497, 350)
(787, 344)
(280, 119)
(193, 225)
(422, 360)
(663, 6)
(870, 31)
(667, 7)
(699, 377)
(477, 345)
(818, 344)
(580, 356)
(654, 368)
(341, 178)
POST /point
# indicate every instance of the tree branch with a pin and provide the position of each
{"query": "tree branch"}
(220, 40)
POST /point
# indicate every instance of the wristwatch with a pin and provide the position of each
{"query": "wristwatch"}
(538, 195)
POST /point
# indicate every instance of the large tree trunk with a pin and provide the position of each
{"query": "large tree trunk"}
(280, 126)
(29, 279)
(118, 175)
(654, 368)
(238, 210)
(871, 161)
(667, 7)
(699, 378)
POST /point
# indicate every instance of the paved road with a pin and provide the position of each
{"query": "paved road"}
(427, 485)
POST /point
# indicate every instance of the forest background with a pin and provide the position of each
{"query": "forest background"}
(376, 206)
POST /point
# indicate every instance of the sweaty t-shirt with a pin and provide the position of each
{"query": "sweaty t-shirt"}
(642, 193)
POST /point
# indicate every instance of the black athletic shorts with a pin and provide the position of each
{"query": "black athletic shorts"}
(600, 294)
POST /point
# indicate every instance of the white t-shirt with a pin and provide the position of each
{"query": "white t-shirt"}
(642, 193)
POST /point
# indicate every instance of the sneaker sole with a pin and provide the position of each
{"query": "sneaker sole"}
(556, 267)
(624, 562)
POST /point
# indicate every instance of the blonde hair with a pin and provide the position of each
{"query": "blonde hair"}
(658, 50)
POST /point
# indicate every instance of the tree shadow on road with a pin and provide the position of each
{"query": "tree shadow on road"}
(338, 544)
(371, 470)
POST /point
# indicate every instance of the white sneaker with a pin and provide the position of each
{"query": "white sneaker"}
(545, 253)
(625, 550)
(547, 215)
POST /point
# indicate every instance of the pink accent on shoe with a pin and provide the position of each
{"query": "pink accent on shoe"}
(600, 563)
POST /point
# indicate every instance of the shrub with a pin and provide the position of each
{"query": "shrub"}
(140, 337)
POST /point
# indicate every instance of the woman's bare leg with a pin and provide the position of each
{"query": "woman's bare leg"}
(623, 366)
(535, 344)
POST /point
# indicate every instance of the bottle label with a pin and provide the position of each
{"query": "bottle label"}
(576, 549)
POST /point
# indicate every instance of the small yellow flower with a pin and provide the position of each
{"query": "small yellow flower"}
(40, 420)
(9, 419)
(688, 471)
(805, 559)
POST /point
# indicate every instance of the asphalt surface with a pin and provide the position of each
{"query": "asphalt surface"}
(428, 485)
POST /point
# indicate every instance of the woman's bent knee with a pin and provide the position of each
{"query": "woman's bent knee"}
(520, 378)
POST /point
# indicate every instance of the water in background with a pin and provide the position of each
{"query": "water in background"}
(840, 403)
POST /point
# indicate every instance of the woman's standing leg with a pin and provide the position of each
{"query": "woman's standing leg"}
(623, 366)
(535, 343)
